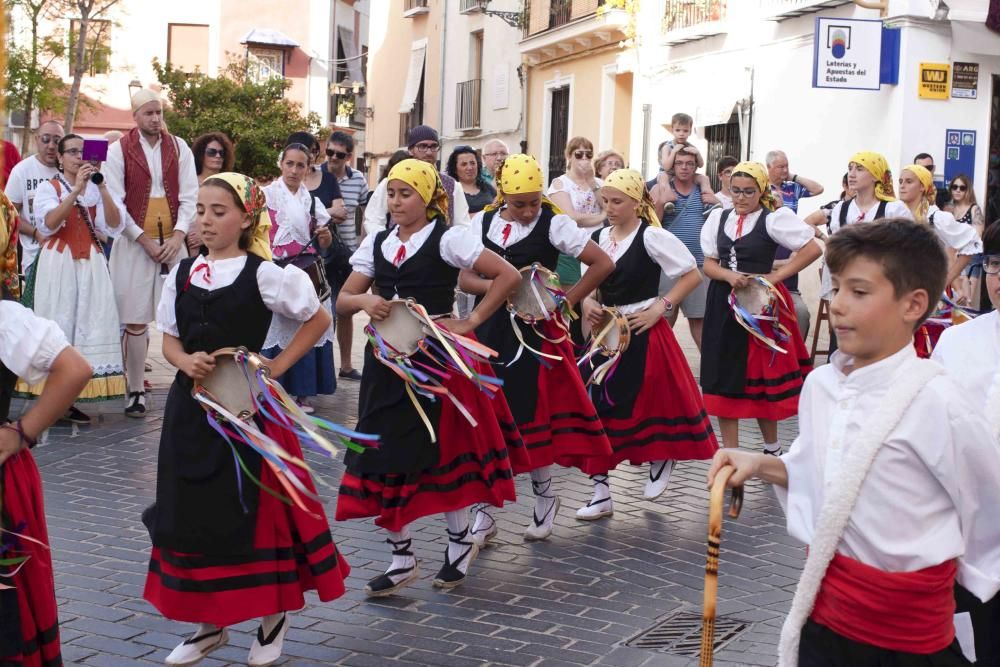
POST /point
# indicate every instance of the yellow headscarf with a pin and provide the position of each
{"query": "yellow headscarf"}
(879, 168)
(759, 173)
(255, 205)
(630, 183)
(930, 192)
(423, 178)
(519, 174)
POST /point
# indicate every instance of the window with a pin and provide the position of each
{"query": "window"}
(187, 46)
(265, 64)
(97, 52)
(723, 139)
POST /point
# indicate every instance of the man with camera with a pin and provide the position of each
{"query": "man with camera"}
(153, 172)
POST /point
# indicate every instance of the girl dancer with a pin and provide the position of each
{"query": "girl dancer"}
(32, 348)
(297, 216)
(223, 551)
(741, 377)
(550, 404)
(650, 405)
(70, 283)
(410, 475)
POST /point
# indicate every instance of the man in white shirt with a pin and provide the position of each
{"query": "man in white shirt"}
(423, 144)
(23, 183)
(153, 172)
(891, 472)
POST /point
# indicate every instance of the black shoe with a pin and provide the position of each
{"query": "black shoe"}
(136, 405)
(76, 416)
(352, 374)
(449, 576)
(383, 584)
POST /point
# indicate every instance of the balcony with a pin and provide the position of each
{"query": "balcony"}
(780, 10)
(559, 28)
(690, 20)
(472, 6)
(468, 105)
(413, 8)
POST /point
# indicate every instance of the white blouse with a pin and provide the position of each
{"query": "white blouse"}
(662, 247)
(458, 248)
(47, 200)
(564, 234)
(292, 213)
(783, 226)
(970, 352)
(926, 497)
(28, 344)
(893, 209)
(287, 292)
(954, 234)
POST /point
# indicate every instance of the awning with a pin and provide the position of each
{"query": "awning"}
(269, 37)
(350, 54)
(413, 76)
(714, 112)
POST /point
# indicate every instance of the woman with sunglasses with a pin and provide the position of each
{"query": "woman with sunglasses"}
(466, 167)
(321, 184)
(213, 154)
(965, 209)
(69, 283)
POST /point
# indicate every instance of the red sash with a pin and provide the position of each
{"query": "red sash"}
(900, 611)
(139, 181)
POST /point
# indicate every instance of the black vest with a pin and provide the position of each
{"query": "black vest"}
(879, 213)
(424, 277)
(227, 317)
(754, 252)
(636, 276)
(535, 247)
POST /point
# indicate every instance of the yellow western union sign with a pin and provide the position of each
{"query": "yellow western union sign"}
(933, 83)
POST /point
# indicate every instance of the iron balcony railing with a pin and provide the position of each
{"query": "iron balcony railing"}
(469, 103)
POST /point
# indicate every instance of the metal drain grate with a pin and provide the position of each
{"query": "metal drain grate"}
(680, 634)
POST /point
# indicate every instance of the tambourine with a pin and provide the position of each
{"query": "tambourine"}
(402, 331)
(231, 383)
(610, 338)
(538, 295)
(756, 306)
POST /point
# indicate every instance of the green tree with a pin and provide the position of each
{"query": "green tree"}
(254, 114)
(88, 45)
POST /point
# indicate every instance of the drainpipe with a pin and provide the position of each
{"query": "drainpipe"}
(523, 74)
(331, 66)
(444, 61)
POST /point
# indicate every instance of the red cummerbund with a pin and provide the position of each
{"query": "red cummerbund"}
(901, 611)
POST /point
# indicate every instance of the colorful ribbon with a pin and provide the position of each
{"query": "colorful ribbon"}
(755, 323)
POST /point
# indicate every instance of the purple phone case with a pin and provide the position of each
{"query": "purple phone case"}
(95, 150)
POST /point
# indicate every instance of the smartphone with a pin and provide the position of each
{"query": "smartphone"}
(95, 150)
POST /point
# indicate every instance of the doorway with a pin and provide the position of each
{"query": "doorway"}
(558, 132)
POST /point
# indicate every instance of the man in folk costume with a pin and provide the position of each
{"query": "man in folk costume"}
(153, 172)
(893, 475)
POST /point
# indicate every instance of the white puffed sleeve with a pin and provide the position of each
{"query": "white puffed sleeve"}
(28, 343)
(166, 310)
(710, 234)
(287, 291)
(46, 200)
(669, 252)
(788, 230)
(363, 259)
(460, 247)
(567, 236)
(954, 234)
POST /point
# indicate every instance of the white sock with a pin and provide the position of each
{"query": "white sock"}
(269, 622)
(541, 485)
(458, 526)
(401, 542)
(206, 628)
(772, 447)
(656, 469)
(602, 488)
(483, 522)
(134, 346)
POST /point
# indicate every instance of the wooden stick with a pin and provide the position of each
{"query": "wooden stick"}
(716, 500)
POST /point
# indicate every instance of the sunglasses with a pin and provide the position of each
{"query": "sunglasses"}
(47, 139)
(959, 188)
(583, 155)
(340, 155)
(215, 152)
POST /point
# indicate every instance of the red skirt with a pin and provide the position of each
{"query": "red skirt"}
(24, 513)
(473, 466)
(566, 428)
(293, 553)
(667, 419)
(773, 381)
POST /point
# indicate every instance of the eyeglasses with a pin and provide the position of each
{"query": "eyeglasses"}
(499, 154)
(49, 138)
(583, 155)
(745, 192)
(958, 187)
(340, 155)
(215, 152)
(73, 151)
(427, 148)
(991, 264)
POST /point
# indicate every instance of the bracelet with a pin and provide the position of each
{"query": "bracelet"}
(19, 429)
(667, 303)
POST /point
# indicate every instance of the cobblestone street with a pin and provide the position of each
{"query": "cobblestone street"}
(576, 599)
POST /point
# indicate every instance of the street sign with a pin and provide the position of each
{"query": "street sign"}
(847, 53)
(965, 81)
(959, 154)
(933, 82)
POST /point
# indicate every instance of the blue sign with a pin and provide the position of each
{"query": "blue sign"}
(959, 154)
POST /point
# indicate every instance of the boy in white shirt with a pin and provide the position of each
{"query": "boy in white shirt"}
(887, 478)
(971, 355)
